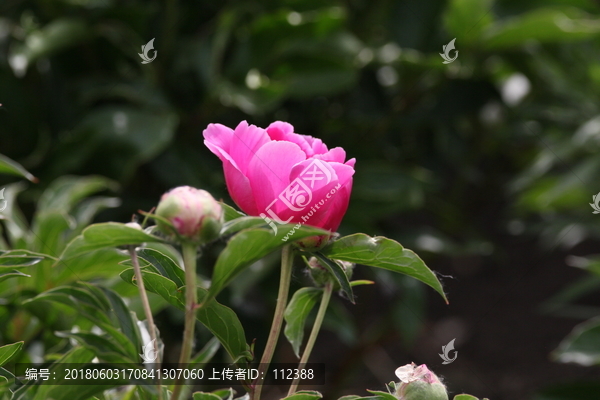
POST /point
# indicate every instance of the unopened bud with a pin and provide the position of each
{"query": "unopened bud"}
(313, 243)
(419, 383)
(321, 275)
(194, 213)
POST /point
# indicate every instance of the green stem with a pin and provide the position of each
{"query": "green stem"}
(191, 298)
(284, 288)
(313, 334)
(147, 311)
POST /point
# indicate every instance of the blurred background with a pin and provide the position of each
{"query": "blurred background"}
(485, 166)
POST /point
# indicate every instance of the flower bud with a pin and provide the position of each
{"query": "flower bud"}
(313, 243)
(419, 383)
(321, 276)
(194, 213)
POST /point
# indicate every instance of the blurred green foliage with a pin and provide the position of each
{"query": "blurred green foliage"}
(452, 159)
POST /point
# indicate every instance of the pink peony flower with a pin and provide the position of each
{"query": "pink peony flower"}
(281, 175)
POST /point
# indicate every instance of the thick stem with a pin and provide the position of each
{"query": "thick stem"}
(147, 311)
(284, 288)
(191, 298)
(313, 334)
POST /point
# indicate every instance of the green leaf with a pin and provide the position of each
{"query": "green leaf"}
(94, 304)
(207, 353)
(164, 265)
(466, 19)
(139, 134)
(220, 320)
(62, 389)
(296, 313)
(20, 258)
(304, 395)
(582, 345)
(156, 283)
(355, 397)
(361, 282)
(13, 274)
(16, 224)
(103, 348)
(109, 234)
(383, 395)
(465, 397)
(545, 25)
(18, 261)
(206, 396)
(10, 167)
(85, 212)
(50, 231)
(7, 379)
(225, 394)
(224, 324)
(8, 351)
(251, 245)
(103, 263)
(338, 272)
(78, 297)
(230, 213)
(382, 252)
(240, 223)
(66, 191)
(124, 319)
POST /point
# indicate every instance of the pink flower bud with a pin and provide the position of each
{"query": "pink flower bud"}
(194, 213)
(419, 383)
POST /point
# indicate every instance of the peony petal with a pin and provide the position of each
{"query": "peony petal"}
(337, 198)
(246, 141)
(344, 172)
(321, 181)
(283, 131)
(239, 188)
(315, 174)
(217, 136)
(316, 145)
(218, 140)
(279, 130)
(337, 154)
(269, 171)
(339, 205)
(304, 198)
